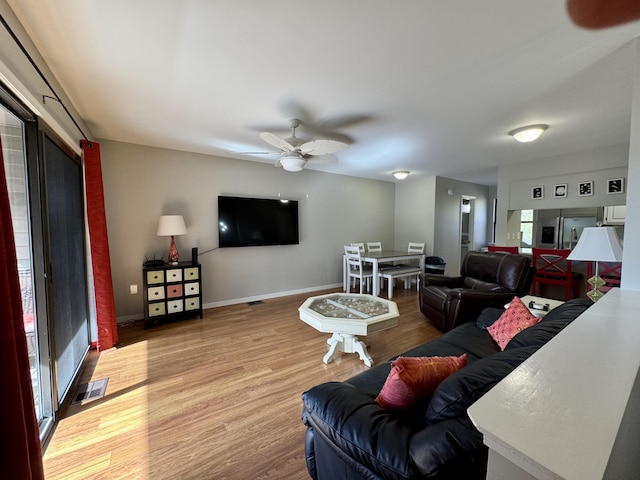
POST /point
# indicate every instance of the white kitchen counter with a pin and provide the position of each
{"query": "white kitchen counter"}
(572, 410)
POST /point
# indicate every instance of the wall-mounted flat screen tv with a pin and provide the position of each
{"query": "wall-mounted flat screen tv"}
(251, 222)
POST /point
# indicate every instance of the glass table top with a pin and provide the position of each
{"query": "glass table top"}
(345, 306)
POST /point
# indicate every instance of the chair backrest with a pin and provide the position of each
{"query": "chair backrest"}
(497, 270)
(504, 248)
(374, 246)
(607, 271)
(359, 245)
(353, 259)
(551, 261)
(415, 247)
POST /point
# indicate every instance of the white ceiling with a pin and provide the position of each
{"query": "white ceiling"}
(429, 86)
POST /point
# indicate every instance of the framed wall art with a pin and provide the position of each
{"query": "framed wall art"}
(585, 189)
(560, 191)
(615, 185)
(537, 192)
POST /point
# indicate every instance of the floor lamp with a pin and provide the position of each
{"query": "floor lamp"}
(597, 244)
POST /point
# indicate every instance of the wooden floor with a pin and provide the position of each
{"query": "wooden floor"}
(217, 398)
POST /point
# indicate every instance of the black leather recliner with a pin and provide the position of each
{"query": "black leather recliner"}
(487, 279)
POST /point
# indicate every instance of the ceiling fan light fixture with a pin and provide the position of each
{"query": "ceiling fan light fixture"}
(292, 164)
(401, 175)
(528, 133)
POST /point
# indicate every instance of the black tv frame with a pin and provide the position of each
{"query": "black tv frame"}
(257, 222)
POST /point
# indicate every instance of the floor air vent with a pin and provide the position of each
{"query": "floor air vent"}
(91, 390)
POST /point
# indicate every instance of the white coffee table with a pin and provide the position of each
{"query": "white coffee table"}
(346, 316)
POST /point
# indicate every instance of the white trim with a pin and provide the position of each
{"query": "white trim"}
(235, 301)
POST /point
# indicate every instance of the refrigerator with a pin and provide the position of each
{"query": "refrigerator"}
(561, 228)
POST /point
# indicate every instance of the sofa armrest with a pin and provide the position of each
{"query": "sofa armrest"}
(360, 429)
(477, 295)
(452, 448)
(450, 281)
(465, 305)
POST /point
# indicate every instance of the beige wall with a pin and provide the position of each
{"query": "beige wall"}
(515, 182)
(426, 211)
(415, 212)
(141, 183)
(448, 219)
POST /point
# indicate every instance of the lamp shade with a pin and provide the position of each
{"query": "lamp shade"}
(171, 225)
(597, 244)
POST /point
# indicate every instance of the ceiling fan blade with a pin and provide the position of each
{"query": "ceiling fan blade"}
(277, 142)
(261, 153)
(324, 159)
(322, 147)
(343, 121)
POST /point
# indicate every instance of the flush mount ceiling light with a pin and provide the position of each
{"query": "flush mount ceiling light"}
(401, 175)
(528, 133)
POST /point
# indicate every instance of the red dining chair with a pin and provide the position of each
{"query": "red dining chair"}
(498, 248)
(609, 272)
(553, 268)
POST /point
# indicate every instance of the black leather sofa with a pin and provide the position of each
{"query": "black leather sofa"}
(351, 437)
(487, 279)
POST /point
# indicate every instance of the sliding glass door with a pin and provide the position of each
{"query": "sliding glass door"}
(45, 184)
(66, 263)
(14, 133)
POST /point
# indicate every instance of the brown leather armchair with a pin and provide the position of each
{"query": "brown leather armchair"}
(488, 279)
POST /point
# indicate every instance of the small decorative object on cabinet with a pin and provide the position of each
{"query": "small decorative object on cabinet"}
(171, 292)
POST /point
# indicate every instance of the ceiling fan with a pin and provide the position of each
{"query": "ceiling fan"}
(296, 153)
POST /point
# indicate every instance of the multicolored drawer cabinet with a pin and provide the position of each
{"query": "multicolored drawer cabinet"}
(172, 292)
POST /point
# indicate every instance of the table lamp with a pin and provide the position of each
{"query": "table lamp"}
(597, 244)
(171, 225)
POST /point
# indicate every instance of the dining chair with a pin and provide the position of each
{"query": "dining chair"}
(377, 247)
(553, 268)
(406, 271)
(374, 246)
(360, 245)
(610, 272)
(355, 269)
(504, 248)
(414, 247)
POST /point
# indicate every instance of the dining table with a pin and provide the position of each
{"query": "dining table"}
(377, 258)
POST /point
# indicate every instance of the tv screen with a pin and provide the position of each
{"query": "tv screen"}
(250, 222)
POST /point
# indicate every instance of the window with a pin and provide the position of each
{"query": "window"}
(526, 228)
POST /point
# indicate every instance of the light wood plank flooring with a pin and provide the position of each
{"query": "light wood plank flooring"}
(217, 398)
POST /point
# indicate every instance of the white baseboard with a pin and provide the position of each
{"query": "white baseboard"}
(235, 301)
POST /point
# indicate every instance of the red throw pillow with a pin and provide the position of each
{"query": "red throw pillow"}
(414, 378)
(515, 319)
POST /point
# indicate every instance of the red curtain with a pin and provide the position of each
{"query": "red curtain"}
(21, 454)
(100, 261)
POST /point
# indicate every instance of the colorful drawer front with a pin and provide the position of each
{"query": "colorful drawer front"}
(174, 275)
(175, 306)
(174, 291)
(192, 303)
(192, 288)
(155, 293)
(157, 309)
(191, 273)
(155, 276)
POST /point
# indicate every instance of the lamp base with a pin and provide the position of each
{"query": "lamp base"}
(596, 282)
(173, 253)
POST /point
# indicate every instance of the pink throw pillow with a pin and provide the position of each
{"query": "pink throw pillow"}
(515, 319)
(414, 378)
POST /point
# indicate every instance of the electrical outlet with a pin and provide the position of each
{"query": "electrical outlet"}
(133, 289)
